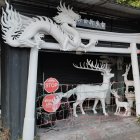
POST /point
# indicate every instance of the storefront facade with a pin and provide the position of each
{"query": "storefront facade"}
(56, 62)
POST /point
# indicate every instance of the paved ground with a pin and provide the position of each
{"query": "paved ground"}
(93, 128)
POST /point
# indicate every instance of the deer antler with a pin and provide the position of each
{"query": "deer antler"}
(90, 66)
(127, 68)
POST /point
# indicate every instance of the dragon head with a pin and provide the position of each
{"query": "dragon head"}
(66, 15)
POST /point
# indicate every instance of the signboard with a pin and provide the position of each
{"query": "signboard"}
(51, 85)
(91, 24)
(51, 103)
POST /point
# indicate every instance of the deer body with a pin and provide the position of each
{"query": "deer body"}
(121, 104)
(127, 82)
(91, 91)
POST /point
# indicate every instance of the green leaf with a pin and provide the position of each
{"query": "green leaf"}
(133, 3)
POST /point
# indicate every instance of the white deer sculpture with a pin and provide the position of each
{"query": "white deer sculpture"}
(126, 81)
(85, 91)
(121, 104)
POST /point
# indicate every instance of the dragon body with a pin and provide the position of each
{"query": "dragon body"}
(22, 31)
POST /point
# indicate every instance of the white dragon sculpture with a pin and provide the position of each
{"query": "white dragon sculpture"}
(23, 31)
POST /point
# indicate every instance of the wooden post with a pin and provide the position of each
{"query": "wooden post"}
(29, 120)
(136, 76)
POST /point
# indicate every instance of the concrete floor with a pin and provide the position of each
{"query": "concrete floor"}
(88, 127)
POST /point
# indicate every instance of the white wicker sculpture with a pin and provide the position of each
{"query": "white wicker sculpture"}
(121, 104)
(92, 91)
(126, 81)
(22, 31)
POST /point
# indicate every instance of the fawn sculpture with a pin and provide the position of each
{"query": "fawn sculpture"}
(85, 91)
(126, 81)
(121, 104)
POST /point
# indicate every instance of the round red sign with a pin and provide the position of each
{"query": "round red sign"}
(51, 85)
(51, 103)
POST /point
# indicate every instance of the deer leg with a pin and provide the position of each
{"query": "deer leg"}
(95, 104)
(103, 106)
(126, 91)
(116, 110)
(81, 108)
(126, 111)
(119, 110)
(74, 108)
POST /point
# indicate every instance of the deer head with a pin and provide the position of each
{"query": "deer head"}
(115, 93)
(127, 70)
(103, 68)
